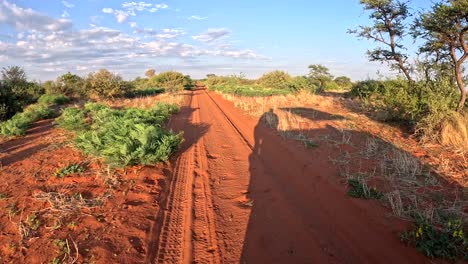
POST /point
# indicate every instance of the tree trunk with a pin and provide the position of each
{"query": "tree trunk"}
(461, 86)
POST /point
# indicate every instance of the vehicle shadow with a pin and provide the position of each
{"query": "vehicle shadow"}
(301, 214)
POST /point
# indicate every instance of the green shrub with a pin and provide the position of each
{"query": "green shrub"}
(105, 84)
(53, 99)
(171, 81)
(72, 118)
(16, 92)
(144, 92)
(364, 89)
(449, 241)
(343, 82)
(232, 80)
(250, 91)
(301, 83)
(331, 86)
(123, 137)
(16, 126)
(20, 122)
(276, 80)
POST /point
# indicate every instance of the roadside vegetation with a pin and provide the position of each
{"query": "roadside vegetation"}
(122, 137)
(278, 83)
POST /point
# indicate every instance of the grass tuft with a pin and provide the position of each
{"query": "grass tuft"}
(358, 188)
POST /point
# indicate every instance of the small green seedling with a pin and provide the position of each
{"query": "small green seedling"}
(358, 189)
(70, 169)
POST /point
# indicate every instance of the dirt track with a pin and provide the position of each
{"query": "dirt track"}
(242, 194)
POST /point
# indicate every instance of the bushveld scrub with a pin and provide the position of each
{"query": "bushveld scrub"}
(104, 84)
(144, 92)
(250, 91)
(171, 81)
(20, 122)
(53, 99)
(426, 107)
(275, 80)
(16, 92)
(125, 137)
(448, 241)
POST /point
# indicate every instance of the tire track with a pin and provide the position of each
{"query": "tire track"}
(175, 238)
(188, 228)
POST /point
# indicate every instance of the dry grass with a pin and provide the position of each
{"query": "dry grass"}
(149, 101)
(64, 203)
(454, 131)
(403, 174)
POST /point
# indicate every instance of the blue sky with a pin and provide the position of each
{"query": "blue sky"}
(49, 38)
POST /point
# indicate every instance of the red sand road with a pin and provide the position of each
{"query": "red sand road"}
(253, 197)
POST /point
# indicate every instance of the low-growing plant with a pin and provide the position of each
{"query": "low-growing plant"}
(53, 99)
(20, 122)
(448, 241)
(72, 118)
(358, 188)
(33, 221)
(125, 137)
(310, 144)
(70, 169)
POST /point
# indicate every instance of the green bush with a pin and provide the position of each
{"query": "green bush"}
(20, 122)
(276, 80)
(105, 84)
(53, 99)
(144, 92)
(16, 92)
(364, 89)
(123, 137)
(331, 86)
(301, 83)
(171, 81)
(72, 118)
(250, 91)
(232, 80)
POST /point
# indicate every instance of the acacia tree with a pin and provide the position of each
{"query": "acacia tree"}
(319, 74)
(444, 29)
(388, 29)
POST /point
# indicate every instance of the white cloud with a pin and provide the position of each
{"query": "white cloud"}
(108, 10)
(212, 34)
(68, 4)
(131, 9)
(195, 17)
(43, 44)
(65, 14)
(28, 19)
